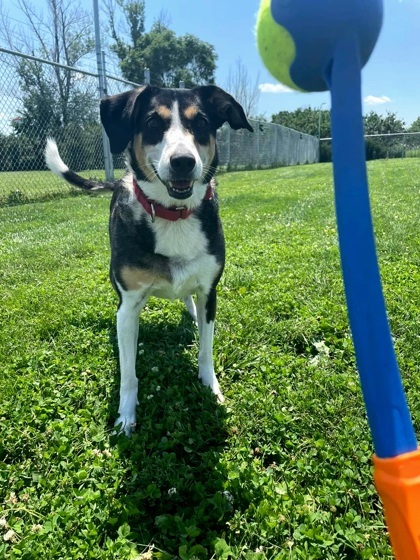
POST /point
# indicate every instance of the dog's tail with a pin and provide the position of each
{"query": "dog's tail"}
(59, 168)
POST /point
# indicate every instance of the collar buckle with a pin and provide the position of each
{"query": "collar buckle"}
(181, 209)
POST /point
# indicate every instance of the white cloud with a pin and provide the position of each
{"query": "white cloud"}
(372, 100)
(274, 88)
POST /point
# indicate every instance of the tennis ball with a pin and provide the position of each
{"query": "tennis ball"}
(275, 45)
(299, 39)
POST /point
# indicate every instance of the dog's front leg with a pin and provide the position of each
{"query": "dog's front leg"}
(206, 313)
(127, 332)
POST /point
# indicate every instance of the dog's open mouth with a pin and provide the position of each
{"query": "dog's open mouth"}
(180, 189)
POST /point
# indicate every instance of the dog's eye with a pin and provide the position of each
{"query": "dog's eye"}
(154, 123)
(201, 122)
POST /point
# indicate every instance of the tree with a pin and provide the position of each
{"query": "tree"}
(413, 141)
(382, 147)
(305, 120)
(415, 126)
(311, 121)
(243, 88)
(170, 58)
(46, 108)
(63, 35)
(377, 124)
(52, 99)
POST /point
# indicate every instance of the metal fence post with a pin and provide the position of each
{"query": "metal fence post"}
(147, 76)
(110, 159)
(276, 142)
(228, 148)
(258, 144)
(109, 170)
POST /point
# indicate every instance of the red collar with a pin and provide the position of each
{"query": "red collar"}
(172, 214)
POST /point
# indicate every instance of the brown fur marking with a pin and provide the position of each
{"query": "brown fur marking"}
(209, 149)
(191, 112)
(134, 278)
(164, 111)
(141, 158)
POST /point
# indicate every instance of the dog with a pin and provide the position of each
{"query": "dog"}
(165, 232)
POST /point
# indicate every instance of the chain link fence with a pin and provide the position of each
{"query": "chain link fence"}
(381, 146)
(270, 145)
(40, 99)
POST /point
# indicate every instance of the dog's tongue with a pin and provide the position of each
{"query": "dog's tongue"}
(181, 184)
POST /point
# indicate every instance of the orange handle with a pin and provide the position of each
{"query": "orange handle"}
(398, 483)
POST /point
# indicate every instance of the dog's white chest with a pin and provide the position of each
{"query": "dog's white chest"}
(188, 277)
(182, 239)
(191, 266)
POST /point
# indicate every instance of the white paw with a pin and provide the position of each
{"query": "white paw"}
(124, 424)
(209, 379)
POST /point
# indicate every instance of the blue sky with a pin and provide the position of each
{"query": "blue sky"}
(391, 79)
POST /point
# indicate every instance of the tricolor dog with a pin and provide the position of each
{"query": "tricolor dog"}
(165, 232)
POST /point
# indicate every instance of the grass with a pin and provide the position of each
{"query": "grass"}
(17, 187)
(283, 470)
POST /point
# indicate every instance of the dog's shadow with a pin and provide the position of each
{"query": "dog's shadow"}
(172, 489)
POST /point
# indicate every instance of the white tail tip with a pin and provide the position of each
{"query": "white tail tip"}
(53, 159)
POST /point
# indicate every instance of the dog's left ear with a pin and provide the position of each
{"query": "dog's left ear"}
(118, 113)
(224, 107)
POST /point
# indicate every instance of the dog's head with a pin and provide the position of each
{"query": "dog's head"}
(170, 137)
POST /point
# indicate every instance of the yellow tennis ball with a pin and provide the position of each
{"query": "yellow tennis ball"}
(275, 45)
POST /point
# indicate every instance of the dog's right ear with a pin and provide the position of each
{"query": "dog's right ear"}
(224, 107)
(118, 113)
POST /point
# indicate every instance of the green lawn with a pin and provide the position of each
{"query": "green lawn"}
(283, 469)
(412, 153)
(18, 187)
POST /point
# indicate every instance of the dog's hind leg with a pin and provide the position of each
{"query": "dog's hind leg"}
(190, 305)
(127, 331)
(206, 312)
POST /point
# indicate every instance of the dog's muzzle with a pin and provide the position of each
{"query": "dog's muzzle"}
(181, 181)
(181, 184)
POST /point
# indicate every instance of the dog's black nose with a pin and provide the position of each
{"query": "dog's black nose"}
(182, 164)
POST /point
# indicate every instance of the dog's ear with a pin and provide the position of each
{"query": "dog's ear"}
(118, 113)
(225, 107)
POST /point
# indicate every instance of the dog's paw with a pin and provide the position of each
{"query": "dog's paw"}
(124, 425)
(208, 378)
